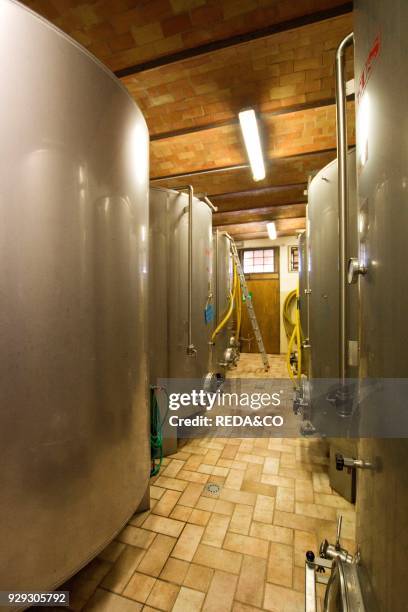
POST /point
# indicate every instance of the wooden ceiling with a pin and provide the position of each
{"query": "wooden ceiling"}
(192, 65)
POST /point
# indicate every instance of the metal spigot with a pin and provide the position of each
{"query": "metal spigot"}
(354, 269)
(300, 403)
(349, 462)
(297, 403)
(330, 551)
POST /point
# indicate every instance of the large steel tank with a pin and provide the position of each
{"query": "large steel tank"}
(381, 58)
(222, 286)
(170, 288)
(323, 226)
(323, 411)
(73, 255)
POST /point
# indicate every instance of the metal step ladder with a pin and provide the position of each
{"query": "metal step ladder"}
(250, 308)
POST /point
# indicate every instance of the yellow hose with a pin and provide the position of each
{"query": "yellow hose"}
(295, 336)
(288, 354)
(232, 298)
(288, 323)
(239, 310)
(298, 337)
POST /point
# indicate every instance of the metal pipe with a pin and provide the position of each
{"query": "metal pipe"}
(307, 276)
(198, 173)
(341, 117)
(191, 350)
(209, 203)
(216, 277)
(193, 173)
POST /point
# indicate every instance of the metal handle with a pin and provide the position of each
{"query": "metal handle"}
(191, 350)
(341, 117)
(330, 551)
(338, 531)
(350, 462)
(354, 269)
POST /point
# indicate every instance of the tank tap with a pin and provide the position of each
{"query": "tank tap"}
(354, 269)
(349, 462)
(334, 551)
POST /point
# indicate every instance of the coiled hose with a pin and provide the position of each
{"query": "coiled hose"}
(156, 427)
(294, 355)
(288, 322)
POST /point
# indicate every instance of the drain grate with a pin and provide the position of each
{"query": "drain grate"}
(212, 488)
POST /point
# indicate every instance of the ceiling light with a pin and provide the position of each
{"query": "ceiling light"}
(271, 227)
(250, 133)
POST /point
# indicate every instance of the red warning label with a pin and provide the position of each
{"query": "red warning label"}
(368, 67)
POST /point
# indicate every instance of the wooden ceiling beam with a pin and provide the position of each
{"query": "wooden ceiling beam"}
(318, 103)
(260, 199)
(293, 171)
(257, 191)
(169, 177)
(237, 39)
(264, 234)
(265, 213)
(254, 227)
(246, 205)
(192, 173)
(303, 133)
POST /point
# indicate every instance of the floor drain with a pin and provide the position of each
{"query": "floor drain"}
(212, 488)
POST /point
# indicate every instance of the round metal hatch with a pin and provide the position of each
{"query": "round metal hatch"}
(343, 592)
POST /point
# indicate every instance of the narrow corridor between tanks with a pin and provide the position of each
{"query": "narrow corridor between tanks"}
(204, 379)
(240, 548)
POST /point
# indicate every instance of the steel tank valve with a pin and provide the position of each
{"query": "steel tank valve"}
(354, 269)
(349, 462)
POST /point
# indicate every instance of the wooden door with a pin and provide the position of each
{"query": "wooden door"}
(265, 290)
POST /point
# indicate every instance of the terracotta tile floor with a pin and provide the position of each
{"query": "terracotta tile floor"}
(240, 549)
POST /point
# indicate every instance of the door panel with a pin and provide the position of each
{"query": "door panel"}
(265, 298)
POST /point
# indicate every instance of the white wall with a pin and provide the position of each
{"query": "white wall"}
(288, 280)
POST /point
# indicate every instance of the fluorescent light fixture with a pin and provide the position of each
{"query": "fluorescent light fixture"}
(271, 227)
(250, 133)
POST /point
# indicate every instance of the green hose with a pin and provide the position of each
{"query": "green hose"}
(156, 435)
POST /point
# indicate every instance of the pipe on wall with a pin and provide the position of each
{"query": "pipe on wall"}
(217, 314)
(210, 204)
(191, 349)
(341, 117)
